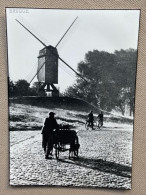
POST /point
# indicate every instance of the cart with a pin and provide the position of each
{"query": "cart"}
(64, 140)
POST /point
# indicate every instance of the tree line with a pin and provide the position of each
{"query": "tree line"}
(110, 80)
(23, 88)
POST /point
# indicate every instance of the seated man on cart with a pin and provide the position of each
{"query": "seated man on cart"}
(48, 131)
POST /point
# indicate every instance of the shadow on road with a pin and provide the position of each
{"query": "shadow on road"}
(102, 165)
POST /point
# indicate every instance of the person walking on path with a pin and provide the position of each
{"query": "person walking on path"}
(48, 131)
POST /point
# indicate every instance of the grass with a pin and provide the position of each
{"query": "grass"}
(27, 117)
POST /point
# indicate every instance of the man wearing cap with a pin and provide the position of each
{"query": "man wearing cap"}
(49, 125)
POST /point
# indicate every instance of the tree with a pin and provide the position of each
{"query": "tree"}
(11, 88)
(22, 88)
(33, 91)
(110, 79)
(97, 70)
(125, 66)
(37, 89)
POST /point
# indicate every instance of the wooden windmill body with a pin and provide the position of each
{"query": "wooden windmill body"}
(48, 66)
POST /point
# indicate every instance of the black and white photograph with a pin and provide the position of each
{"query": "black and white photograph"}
(71, 91)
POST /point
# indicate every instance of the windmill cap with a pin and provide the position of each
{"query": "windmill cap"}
(51, 113)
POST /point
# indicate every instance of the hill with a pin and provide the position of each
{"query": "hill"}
(67, 103)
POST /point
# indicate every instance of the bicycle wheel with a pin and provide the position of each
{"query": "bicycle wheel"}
(99, 124)
(87, 125)
(95, 126)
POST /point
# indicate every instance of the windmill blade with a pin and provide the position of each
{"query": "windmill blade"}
(66, 32)
(37, 72)
(72, 69)
(31, 33)
(39, 41)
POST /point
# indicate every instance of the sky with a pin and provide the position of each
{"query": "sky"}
(103, 30)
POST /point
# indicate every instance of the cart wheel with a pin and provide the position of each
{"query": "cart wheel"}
(57, 151)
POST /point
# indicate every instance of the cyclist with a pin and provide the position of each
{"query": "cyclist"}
(100, 120)
(91, 119)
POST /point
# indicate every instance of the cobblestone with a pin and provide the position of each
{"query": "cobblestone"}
(105, 160)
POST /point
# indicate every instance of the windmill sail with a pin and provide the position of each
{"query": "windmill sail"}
(66, 32)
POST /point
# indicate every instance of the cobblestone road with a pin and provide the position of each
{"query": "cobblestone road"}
(104, 160)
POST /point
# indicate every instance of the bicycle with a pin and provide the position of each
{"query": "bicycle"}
(88, 125)
(100, 123)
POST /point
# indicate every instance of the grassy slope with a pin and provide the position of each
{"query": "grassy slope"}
(26, 117)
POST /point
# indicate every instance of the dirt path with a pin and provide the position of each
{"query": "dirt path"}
(104, 160)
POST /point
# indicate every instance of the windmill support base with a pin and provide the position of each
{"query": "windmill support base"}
(48, 87)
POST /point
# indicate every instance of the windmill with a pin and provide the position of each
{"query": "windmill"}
(47, 72)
